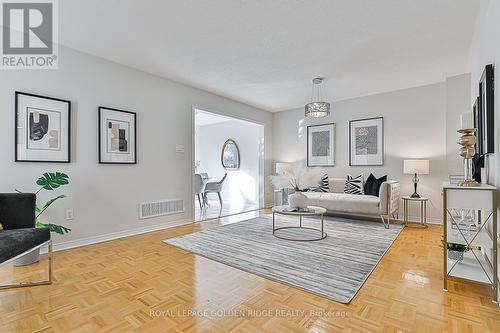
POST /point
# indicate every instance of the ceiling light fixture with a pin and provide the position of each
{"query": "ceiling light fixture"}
(317, 108)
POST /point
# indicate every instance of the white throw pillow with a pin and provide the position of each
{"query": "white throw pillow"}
(336, 185)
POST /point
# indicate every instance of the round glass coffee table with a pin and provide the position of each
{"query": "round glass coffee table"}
(312, 211)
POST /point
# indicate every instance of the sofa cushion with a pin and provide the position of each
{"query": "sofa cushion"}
(343, 202)
(17, 210)
(336, 185)
(17, 241)
(354, 185)
(372, 184)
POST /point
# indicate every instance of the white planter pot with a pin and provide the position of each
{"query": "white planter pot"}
(456, 255)
(28, 259)
(297, 200)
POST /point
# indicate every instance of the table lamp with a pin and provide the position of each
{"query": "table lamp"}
(415, 167)
(283, 167)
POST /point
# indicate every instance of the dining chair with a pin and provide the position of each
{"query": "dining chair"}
(204, 175)
(199, 187)
(215, 187)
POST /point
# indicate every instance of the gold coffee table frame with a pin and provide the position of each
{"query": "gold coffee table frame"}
(313, 211)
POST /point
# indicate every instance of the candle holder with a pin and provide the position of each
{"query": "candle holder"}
(467, 151)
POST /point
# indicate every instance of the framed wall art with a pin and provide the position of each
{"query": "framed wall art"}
(117, 136)
(478, 123)
(366, 142)
(321, 145)
(487, 107)
(42, 129)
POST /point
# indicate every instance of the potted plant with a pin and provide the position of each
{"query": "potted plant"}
(301, 180)
(49, 181)
(456, 251)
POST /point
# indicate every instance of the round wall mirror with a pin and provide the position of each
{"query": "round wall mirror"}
(230, 156)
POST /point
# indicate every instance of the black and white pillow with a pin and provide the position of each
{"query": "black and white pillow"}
(323, 185)
(354, 185)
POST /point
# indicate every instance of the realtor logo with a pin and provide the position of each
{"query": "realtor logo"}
(29, 34)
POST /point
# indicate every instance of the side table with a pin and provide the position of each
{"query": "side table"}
(423, 209)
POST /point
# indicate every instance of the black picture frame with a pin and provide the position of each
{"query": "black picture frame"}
(134, 114)
(332, 148)
(382, 143)
(487, 110)
(478, 123)
(18, 94)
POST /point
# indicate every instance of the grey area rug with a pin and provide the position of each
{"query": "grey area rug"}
(335, 267)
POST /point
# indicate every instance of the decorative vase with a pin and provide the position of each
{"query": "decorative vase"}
(467, 151)
(456, 255)
(28, 259)
(297, 200)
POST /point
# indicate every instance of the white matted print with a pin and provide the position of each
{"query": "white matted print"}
(117, 136)
(42, 129)
(321, 145)
(366, 142)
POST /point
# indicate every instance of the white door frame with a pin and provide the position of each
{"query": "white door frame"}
(262, 191)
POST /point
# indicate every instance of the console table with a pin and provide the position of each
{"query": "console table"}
(470, 223)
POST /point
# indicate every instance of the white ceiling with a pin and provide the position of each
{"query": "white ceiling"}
(265, 53)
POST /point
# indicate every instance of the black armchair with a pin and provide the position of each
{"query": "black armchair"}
(19, 235)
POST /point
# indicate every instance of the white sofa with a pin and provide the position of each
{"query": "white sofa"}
(336, 201)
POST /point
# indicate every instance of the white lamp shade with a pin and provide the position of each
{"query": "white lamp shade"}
(420, 167)
(282, 167)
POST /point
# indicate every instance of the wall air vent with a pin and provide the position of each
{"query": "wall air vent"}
(160, 208)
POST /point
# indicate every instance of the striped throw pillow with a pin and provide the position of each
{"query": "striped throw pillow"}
(323, 185)
(354, 185)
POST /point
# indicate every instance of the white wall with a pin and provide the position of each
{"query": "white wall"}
(242, 185)
(105, 197)
(415, 123)
(457, 103)
(485, 50)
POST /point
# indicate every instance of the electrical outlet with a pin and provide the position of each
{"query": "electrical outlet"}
(69, 214)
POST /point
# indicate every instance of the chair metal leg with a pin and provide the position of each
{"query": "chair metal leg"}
(205, 199)
(199, 200)
(220, 199)
(34, 283)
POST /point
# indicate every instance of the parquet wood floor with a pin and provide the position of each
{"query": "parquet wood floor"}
(140, 284)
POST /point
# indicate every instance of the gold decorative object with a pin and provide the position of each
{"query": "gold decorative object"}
(467, 151)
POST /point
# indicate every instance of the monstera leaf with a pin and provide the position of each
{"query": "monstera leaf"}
(39, 211)
(58, 229)
(51, 180)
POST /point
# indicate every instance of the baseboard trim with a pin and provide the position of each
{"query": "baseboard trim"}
(116, 235)
(416, 219)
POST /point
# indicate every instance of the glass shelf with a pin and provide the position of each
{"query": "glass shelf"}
(483, 238)
(470, 269)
